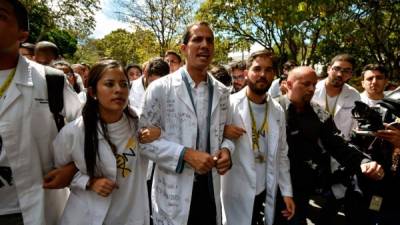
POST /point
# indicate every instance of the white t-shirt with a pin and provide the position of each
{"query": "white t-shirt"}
(332, 102)
(259, 113)
(8, 193)
(367, 100)
(122, 135)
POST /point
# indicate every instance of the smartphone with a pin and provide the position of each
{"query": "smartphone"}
(395, 125)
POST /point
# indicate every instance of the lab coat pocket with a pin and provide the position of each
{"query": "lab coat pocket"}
(168, 193)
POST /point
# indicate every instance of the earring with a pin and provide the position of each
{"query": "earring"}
(95, 98)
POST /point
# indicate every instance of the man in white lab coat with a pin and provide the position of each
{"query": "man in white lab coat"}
(27, 128)
(261, 164)
(337, 98)
(191, 109)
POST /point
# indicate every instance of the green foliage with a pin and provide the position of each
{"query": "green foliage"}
(126, 47)
(312, 31)
(222, 48)
(65, 41)
(87, 52)
(76, 15)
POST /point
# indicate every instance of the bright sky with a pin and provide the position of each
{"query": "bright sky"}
(106, 20)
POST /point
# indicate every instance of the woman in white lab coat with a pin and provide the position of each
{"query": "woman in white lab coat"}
(110, 185)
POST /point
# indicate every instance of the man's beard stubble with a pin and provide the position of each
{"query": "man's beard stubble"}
(258, 91)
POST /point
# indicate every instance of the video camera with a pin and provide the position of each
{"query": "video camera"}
(370, 119)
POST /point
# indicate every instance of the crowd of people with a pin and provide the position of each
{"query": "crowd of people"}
(177, 141)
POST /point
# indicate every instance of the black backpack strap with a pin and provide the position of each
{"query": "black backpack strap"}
(55, 91)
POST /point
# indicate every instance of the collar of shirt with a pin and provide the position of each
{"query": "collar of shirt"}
(191, 82)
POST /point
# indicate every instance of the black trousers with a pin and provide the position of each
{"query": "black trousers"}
(12, 219)
(202, 207)
(258, 209)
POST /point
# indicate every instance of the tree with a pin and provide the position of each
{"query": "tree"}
(127, 47)
(72, 15)
(312, 31)
(87, 52)
(65, 41)
(165, 18)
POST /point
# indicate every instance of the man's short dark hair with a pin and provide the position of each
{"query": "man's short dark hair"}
(377, 67)
(170, 52)
(344, 57)
(28, 46)
(62, 63)
(290, 64)
(21, 14)
(254, 55)
(221, 74)
(47, 47)
(240, 65)
(158, 67)
(188, 33)
(128, 67)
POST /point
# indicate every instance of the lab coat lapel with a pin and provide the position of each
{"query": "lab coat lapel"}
(22, 77)
(181, 90)
(244, 113)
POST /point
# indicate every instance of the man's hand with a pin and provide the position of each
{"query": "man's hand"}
(390, 134)
(201, 162)
(60, 178)
(290, 208)
(102, 186)
(149, 134)
(233, 132)
(372, 170)
(223, 161)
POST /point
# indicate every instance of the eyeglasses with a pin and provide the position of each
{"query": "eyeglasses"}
(172, 61)
(345, 71)
(237, 77)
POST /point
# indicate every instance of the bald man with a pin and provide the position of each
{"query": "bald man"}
(311, 134)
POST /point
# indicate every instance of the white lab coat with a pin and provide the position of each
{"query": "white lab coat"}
(275, 88)
(136, 94)
(85, 206)
(343, 119)
(239, 184)
(27, 128)
(167, 105)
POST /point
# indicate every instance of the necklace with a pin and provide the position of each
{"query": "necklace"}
(255, 134)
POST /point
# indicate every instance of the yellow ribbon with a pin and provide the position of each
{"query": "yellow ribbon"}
(7, 82)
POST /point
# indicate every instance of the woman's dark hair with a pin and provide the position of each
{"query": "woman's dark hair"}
(91, 116)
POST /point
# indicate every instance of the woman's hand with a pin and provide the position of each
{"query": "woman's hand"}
(102, 186)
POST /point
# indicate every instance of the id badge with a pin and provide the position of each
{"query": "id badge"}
(376, 203)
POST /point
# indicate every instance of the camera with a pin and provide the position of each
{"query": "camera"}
(369, 119)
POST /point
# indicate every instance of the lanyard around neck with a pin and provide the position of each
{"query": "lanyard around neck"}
(332, 113)
(7, 82)
(210, 99)
(257, 132)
